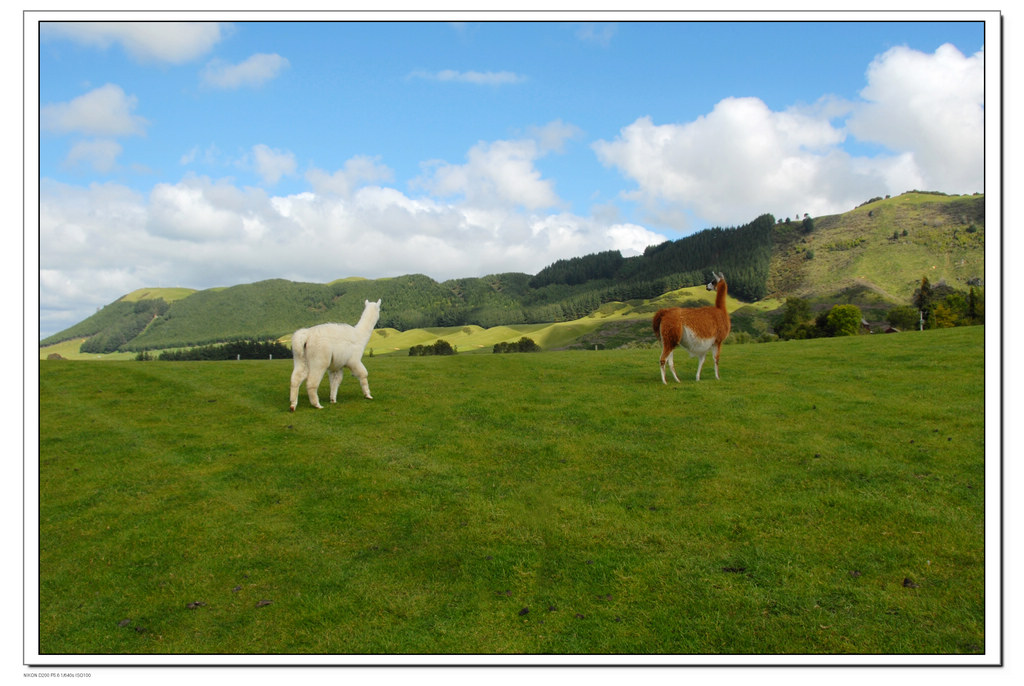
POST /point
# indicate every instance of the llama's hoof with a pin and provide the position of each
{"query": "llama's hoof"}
(291, 409)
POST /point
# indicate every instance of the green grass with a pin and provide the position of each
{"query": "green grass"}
(168, 294)
(521, 504)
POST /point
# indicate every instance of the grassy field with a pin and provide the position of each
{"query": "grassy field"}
(825, 496)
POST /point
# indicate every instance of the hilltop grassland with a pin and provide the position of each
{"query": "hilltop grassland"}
(167, 294)
(826, 496)
(883, 247)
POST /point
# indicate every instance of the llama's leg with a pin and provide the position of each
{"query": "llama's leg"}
(668, 358)
(672, 365)
(718, 351)
(359, 371)
(700, 364)
(298, 376)
(316, 374)
(335, 377)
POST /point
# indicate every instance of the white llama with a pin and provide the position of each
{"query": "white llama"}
(331, 347)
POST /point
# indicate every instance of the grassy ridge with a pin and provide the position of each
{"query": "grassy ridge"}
(505, 504)
(941, 237)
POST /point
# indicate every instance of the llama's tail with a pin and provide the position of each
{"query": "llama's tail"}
(667, 327)
(657, 322)
(299, 345)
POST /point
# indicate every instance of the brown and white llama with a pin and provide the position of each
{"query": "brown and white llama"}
(699, 329)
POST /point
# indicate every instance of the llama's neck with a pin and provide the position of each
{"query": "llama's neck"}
(366, 323)
(721, 289)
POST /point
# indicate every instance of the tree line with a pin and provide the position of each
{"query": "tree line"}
(523, 345)
(254, 349)
(934, 307)
(439, 347)
(742, 253)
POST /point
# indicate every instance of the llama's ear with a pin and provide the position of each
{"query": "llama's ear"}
(378, 302)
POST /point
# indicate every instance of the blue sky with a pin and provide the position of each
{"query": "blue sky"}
(211, 154)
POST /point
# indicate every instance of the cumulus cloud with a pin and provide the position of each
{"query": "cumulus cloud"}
(930, 107)
(742, 158)
(86, 237)
(99, 155)
(100, 242)
(271, 164)
(168, 42)
(251, 73)
(501, 173)
(632, 239)
(357, 171)
(104, 111)
(553, 136)
(739, 160)
(202, 211)
(480, 78)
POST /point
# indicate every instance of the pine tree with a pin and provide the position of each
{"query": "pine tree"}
(923, 297)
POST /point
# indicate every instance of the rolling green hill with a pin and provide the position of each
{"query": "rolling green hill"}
(884, 247)
(873, 256)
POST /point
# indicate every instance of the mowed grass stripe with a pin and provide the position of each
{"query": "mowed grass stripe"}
(508, 504)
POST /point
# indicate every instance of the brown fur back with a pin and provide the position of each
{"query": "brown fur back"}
(705, 322)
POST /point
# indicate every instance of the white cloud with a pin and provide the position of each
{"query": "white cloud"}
(199, 210)
(271, 164)
(632, 239)
(253, 72)
(90, 248)
(552, 136)
(728, 166)
(101, 242)
(104, 111)
(501, 173)
(480, 78)
(357, 171)
(932, 107)
(743, 159)
(170, 42)
(99, 155)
